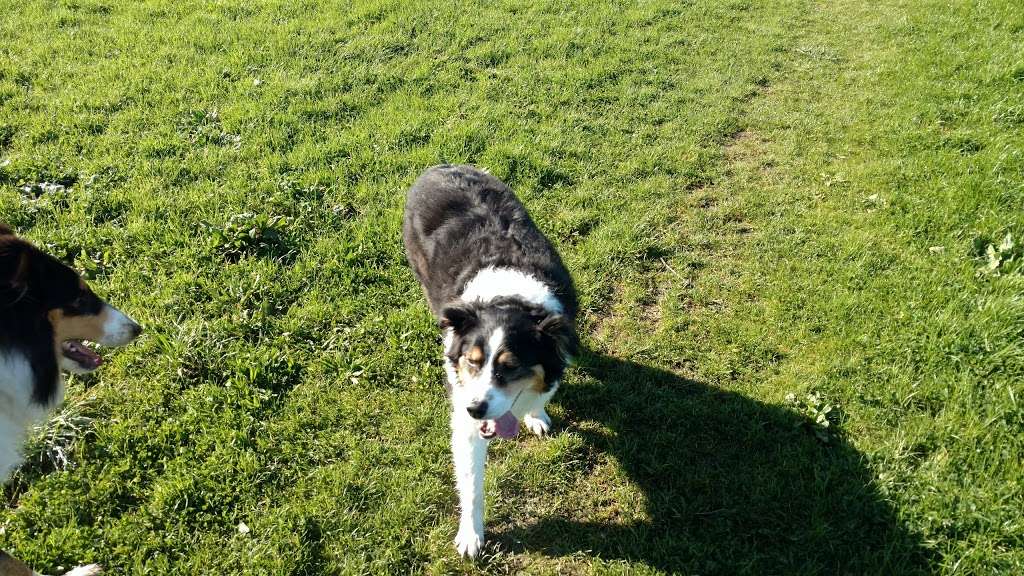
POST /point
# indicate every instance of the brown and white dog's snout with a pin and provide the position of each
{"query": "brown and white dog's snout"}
(118, 328)
(108, 327)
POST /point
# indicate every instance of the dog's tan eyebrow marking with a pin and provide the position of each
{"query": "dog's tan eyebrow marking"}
(508, 359)
(476, 355)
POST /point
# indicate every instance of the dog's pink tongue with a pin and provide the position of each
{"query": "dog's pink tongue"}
(507, 425)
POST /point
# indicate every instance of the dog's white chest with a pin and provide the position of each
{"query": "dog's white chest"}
(17, 411)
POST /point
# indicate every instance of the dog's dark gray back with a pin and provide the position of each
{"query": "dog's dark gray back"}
(459, 220)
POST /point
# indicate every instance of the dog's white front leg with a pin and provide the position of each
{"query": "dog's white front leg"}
(469, 451)
(537, 419)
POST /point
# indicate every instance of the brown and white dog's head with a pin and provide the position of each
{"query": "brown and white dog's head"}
(504, 354)
(47, 309)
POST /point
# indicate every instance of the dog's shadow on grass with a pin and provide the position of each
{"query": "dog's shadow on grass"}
(732, 485)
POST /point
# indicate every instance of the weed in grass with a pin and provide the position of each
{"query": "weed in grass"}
(823, 416)
(1002, 258)
(249, 234)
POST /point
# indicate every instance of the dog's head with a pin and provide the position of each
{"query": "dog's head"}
(504, 351)
(44, 296)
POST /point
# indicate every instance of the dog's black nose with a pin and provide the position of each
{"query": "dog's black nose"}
(477, 409)
(136, 330)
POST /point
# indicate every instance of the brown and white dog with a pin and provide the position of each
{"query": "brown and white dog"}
(507, 307)
(47, 313)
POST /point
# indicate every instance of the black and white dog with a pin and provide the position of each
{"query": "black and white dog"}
(507, 307)
(46, 314)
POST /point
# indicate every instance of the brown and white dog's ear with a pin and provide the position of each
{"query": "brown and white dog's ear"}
(460, 317)
(13, 259)
(14, 265)
(559, 329)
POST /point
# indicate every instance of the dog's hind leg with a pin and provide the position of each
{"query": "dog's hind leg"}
(469, 452)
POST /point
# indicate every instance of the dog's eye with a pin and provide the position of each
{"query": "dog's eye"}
(84, 303)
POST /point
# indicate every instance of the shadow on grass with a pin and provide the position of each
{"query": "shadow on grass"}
(733, 485)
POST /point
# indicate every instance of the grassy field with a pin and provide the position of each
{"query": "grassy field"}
(797, 228)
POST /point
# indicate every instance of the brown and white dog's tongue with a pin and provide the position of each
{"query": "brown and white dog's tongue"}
(79, 352)
(506, 425)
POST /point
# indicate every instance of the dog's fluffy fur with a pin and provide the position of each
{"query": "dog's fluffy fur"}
(507, 306)
(46, 312)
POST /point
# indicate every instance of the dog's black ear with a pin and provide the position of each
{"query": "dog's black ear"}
(459, 316)
(14, 264)
(560, 330)
(5, 230)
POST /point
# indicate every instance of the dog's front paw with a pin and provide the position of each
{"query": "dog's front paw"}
(469, 542)
(539, 424)
(90, 570)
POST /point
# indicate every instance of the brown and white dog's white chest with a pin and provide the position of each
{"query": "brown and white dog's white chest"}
(18, 412)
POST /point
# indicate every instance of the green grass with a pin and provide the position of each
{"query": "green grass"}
(757, 200)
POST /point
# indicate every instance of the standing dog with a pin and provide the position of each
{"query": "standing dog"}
(507, 307)
(46, 314)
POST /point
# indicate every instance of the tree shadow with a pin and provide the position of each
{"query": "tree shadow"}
(733, 485)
